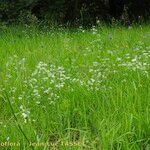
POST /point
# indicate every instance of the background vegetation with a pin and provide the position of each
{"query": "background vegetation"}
(83, 12)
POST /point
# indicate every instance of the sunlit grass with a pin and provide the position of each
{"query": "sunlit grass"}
(89, 87)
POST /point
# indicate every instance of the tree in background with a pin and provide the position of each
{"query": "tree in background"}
(72, 11)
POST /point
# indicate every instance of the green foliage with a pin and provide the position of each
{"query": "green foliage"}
(87, 86)
(10, 10)
(73, 11)
(25, 17)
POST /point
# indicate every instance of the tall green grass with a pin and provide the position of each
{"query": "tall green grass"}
(90, 87)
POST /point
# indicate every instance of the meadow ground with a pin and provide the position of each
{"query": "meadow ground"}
(75, 89)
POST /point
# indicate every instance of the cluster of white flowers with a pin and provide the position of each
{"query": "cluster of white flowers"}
(49, 82)
(81, 29)
(46, 81)
(24, 113)
(94, 30)
(140, 61)
(97, 76)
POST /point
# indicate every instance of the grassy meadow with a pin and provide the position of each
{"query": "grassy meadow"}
(74, 89)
